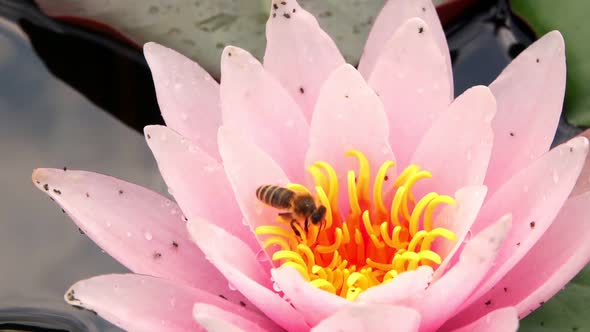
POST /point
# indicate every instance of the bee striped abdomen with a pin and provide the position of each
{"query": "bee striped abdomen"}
(275, 196)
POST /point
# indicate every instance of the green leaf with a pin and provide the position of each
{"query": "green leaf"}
(567, 311)
(571, 18)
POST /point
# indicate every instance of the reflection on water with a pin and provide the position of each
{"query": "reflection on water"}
(44, 123)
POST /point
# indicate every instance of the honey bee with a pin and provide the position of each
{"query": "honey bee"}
(300, 206)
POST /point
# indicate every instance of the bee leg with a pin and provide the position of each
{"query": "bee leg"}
(322, 224)
(285, 215)
(295, 230)
(306, 224)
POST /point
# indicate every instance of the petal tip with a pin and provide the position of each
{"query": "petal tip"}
(36, 175)
(150, 130)
(70, 296)
(556, 37)
(579, 142)
(231, 51)
(151, 51)
(41, 175)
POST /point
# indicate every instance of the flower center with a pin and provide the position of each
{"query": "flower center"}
(372, 244)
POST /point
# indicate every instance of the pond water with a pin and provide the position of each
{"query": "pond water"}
(47, 123)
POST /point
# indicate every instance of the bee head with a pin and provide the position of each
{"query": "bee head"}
(318, 215)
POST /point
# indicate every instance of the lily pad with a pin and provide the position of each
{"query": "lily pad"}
(569, 17)
(201, 28)
(567, 311)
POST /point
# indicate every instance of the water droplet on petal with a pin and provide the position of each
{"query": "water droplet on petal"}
(261, 256)
(129, 234)
(420, 91)
(109, 224)
(339, 116)
(148, 236)
(276, 287)
(231, 286)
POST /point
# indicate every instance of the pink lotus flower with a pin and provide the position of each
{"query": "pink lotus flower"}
(442, 214)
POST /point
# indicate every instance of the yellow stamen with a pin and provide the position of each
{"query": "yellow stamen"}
(334, 246)
(332, 182)
(378, 188)
(346, 255)
(428, 216)
(396, 205)
(353, 195)
(307, 253)
(417, 213)
(326, 203)
(364, 179)
(298, 187)
(324, 285)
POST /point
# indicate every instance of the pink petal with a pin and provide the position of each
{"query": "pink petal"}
(141, 229)
(583, 184)
(399, 290)
(187, 95)
(213, 324)
(411, 79)
(268, 301)
(391, 17)
(144, 303)
(555, 259)
(348, 115)
(501, 320)
(299, 53)
(236, 264)
(457, 218)
(313, 303)
(456, 149)
(533, 197)
(248, 167)
(256, 106)
(221, 247)
(213, 318)
(371, 318)
(529, 93)
(197, 181)
(442, 299)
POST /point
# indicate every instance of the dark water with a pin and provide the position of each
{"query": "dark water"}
(46, 123)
